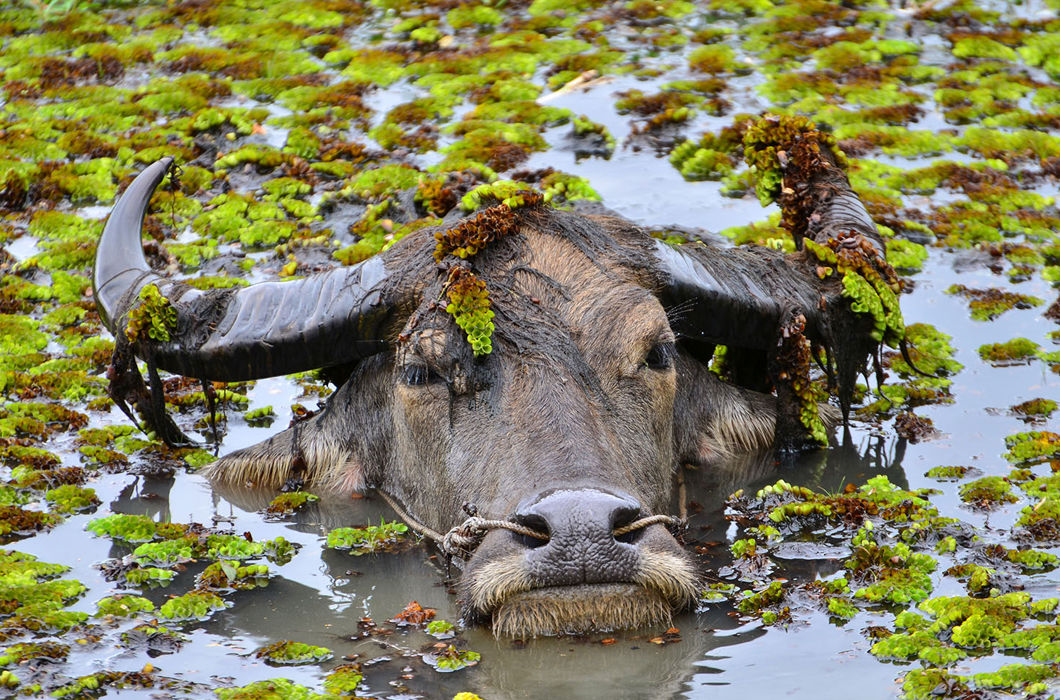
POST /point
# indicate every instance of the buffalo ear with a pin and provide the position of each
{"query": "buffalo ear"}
(715, 420)
(305, 452)
(340, 450)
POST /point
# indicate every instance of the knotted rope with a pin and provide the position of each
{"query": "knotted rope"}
(461, 540)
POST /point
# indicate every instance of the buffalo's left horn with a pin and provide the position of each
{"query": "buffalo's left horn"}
(263, 330)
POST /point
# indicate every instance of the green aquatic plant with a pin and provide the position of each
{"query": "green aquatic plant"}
(893, 573)
(561, 188)
(53, 652)
(224, 575)
(287, 653)
(343, 680)
(1035, 408)
(288, 503)
(469, 305)
(70, 498)
(168, 553)
(440, 629)
(372, 538)
(1032, 447)
(987, 491)
(1015, 351)
(195, 605)
(130, 528)
(277, 688)
(947, 473)
(588, 131)
(453, 659)
(18, 521)
(988, 304)
(149, 575)
(153, 318)
(123, 606)
(768, 597)
(506, 192)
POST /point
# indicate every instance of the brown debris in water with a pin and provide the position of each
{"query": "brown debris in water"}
(914, 428)
(414, 614)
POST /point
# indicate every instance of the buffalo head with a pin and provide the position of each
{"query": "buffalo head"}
(569, 427)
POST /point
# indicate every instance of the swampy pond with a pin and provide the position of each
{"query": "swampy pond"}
(917, 558)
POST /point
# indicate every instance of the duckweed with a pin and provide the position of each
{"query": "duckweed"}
(1015, 351)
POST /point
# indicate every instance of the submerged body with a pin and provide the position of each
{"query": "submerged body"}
(570, 422)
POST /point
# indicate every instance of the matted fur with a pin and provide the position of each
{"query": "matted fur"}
(669, 575)
(499, 580)
(326, 461)
(580, 609)
(737, 427)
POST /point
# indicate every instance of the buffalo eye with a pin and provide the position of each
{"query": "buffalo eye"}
(661, 356)
(419, 375)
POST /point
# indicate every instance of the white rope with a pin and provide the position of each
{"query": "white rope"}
(461, 540)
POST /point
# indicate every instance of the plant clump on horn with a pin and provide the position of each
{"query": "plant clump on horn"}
(154, 317)
(801, 168)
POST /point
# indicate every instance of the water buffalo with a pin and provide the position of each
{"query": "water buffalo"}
(565, 426)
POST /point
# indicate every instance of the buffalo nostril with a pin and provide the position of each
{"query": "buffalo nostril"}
(538, 525)
(620, 519)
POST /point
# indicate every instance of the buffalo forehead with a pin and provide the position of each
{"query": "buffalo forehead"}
(594, 291)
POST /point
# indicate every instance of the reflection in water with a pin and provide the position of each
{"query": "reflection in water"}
(145, 496)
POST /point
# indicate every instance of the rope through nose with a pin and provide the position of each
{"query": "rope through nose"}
(462, 540)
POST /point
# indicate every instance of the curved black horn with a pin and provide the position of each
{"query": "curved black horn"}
(741, 296)
(264, 330)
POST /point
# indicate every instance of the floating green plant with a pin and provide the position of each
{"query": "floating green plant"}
(452, 659)
(1015, 351)
(72, 499)
(287, 653)
(343, 680)
(126, 527)
(947, 473)
(278, 688)
(363, 540)
(1035, 409)
(222, 575)
(34, 651)
(168, 553)
(987, 491)
(988, 304)
(440, 629)
(288, 503)
(1032, 447)
(754, 603)
(123, 606)
(893, 573)
(195, 605)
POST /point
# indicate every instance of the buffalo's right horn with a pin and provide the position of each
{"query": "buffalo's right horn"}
(263, 330)
(741, 297)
